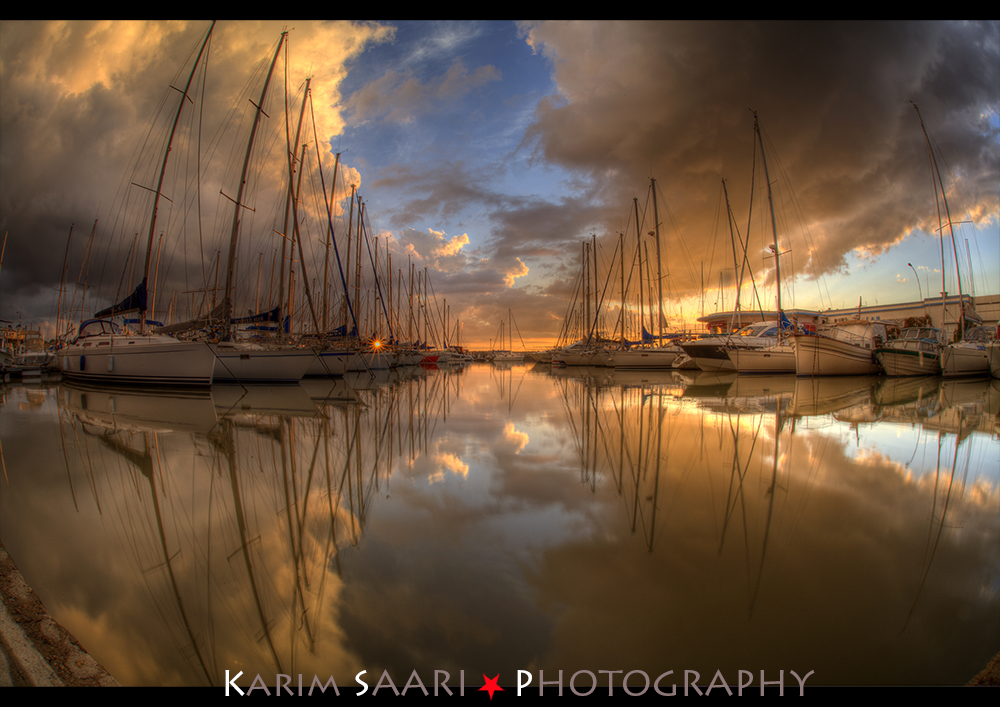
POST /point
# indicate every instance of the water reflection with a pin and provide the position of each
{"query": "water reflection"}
(494, 519)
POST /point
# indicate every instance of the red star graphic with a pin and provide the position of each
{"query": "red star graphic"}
(491, 685)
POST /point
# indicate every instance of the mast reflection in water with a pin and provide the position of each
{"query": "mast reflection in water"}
(495, 519)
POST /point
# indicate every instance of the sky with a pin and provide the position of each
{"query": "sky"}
(488, 152)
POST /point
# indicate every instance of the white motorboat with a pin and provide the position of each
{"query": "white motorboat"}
(712, 353)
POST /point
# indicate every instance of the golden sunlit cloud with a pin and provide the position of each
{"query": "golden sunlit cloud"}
(519, 440)
(453, 246)
(516, 271)
(448, 463)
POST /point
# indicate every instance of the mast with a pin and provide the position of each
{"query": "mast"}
(586, 292)
(936, 176)
(329, 236)
(163, 170)
(597, 302)
(621, 259)
(638, 247)
(735, 319)
(227, 301)
(659, 266)
(774, 226)
(290, 199)
(62, 280)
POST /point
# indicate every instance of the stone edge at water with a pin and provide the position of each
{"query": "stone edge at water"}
(35, 650)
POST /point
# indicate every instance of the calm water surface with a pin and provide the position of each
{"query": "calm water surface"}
(491, 520)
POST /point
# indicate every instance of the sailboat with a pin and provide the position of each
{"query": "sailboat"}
(711, 353)
(917, 351)
(648, 357)
(847, 349)
(508, 355)
(968, 357)
(103, 352)
(589, 350)
(780, 357)
(240, 360)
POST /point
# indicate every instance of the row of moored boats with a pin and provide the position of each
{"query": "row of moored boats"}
(849, 348)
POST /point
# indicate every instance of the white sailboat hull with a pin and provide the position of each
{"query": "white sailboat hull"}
(961, 359)
(645, 358)
(376, 360)
(330, 363)
(779, 358)
(156, 359)
(825, 356)
(585, 358)
(246, 364)
(909, 362)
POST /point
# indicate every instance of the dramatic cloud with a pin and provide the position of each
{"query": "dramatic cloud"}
(673, 100)
(79, 98)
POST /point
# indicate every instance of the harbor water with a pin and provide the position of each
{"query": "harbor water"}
(517, 521)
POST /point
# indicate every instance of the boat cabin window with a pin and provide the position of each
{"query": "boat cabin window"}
(754, 330)
(919, 333)
(97, 327)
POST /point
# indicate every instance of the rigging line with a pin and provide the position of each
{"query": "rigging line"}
(329, 217)
(603, 292)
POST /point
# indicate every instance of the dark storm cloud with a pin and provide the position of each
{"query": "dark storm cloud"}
(673, 100)
(445, 190)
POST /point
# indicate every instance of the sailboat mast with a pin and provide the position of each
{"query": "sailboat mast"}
(940, 185)
(774, 225)
(737, 274)
(586, 292)
(290, 198)
(234, 237)
(163, 170)
(62, 280)
(659, 266)
(329, 236)
(638, 248)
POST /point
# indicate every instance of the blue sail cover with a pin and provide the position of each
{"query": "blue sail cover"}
(135, 302)
(648, 338)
